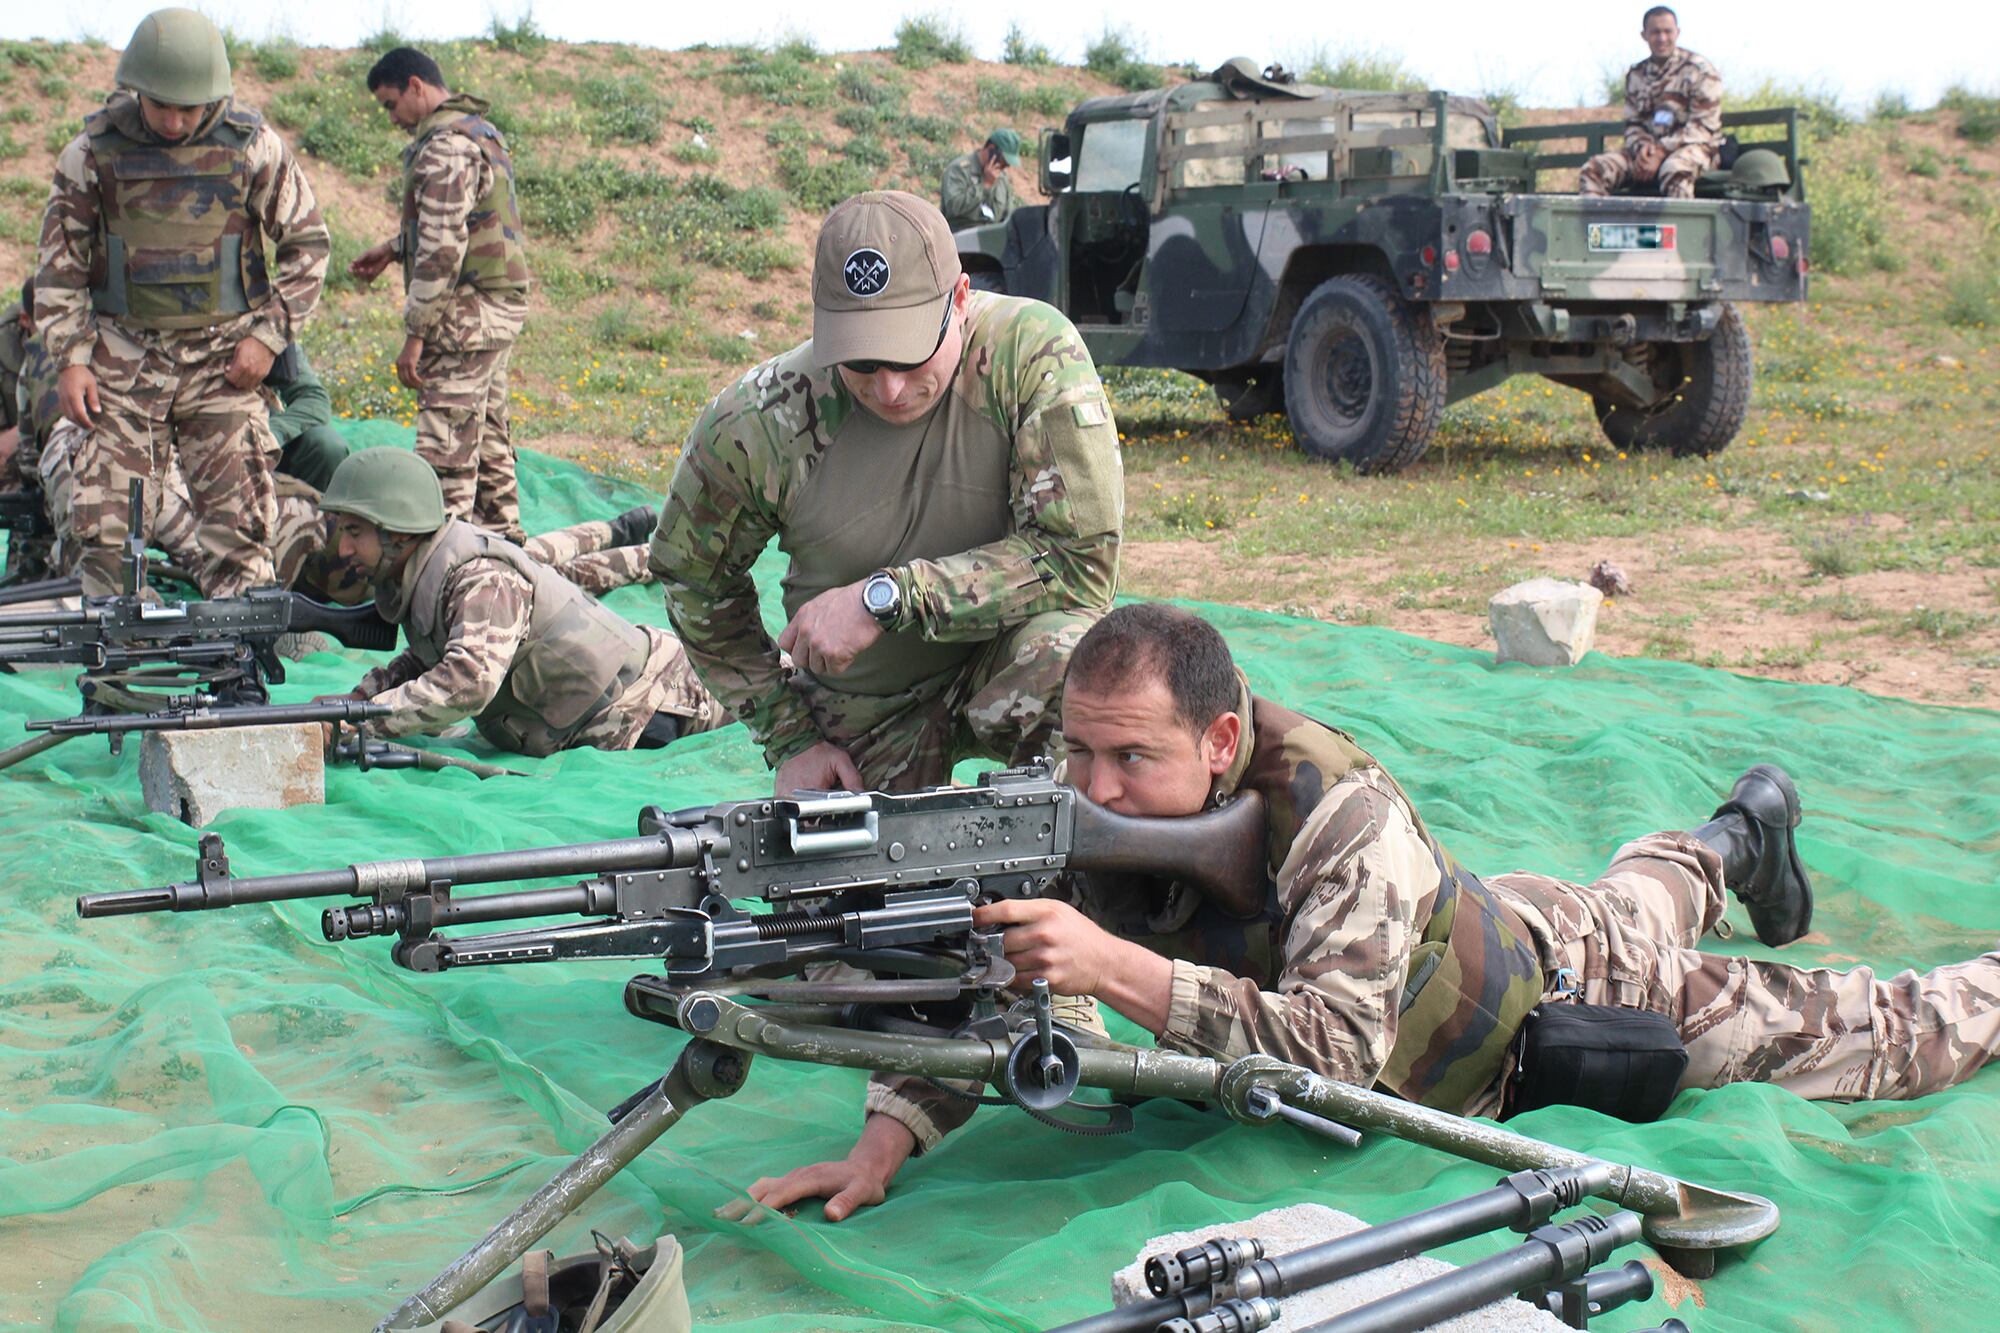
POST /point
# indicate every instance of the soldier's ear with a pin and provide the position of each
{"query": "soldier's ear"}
(1219, 742)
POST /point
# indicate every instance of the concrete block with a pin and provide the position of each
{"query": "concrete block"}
(1285, 1230)
(1545, 622)
(196, 775)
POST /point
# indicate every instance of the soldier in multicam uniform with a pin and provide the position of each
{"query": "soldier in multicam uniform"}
(495, 636)
(1673, 118)
(1379, 961)
(942, 469)
(156, 305)
(465, 279)
(975, 189)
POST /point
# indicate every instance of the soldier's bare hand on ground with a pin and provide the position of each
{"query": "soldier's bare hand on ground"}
(76, 395)
(370, 263)
(249, 365)
(824, 767)
(830, 631)
(406, 363)
(859, 1180)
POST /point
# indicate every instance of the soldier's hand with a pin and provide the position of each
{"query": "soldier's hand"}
(860, 1180)
(406, 363)
(10, 442)
(824, 767)
(830, 631)
(76, 394)
(1646, 159)
(368, 265)
(249, 365)
(1051, 940)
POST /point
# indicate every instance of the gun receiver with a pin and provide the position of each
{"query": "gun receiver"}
(889, 878)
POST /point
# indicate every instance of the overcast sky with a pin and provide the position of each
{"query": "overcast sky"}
(1553, 52)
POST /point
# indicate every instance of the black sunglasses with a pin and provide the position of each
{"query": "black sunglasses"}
(904, 367)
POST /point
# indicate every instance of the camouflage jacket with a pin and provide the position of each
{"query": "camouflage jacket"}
(13, 356)
(1376, 958)
(461, 232)
(750, 462)
(302, 403)
(1676, 102)
(278, 196)
(36, 406)
(967, 201)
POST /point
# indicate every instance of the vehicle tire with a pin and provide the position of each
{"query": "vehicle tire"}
(1245, 396)
(1703, 416)
(988, 280)
(1364, 375)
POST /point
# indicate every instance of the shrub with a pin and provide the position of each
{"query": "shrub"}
(522, 37)
(1850, 228)
(275, 60)
(787, 76)
(1012, 101)
(1978, 113)
(1889, 106)
(1018, 50)
(1113, 58)
(710, 221)
(1367, 71)
(866, 151)
(10, 147)
(863, 86)
(930, 39)
(818, 186)
(625, 110)
(1972, 298)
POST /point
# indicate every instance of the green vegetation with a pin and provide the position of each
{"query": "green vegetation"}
(521, 37)
(275, 60)
(1114, 58)
(1371, 71)
(790, 74)
(1050, 100)
(338, 123)
(1978, 114)
(1018, 50)
(931, 39)
(623, 110)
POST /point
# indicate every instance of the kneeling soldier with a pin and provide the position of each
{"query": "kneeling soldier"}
(536, 662)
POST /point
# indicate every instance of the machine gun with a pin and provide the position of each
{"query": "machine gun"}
(886, 883)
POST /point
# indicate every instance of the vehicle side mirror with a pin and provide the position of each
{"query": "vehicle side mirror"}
(1056, 169)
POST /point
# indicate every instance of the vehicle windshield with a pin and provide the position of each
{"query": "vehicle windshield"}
(1111, 155)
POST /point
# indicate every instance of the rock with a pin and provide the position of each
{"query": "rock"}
(1610, 580)
(196, 775)
(700, 141)
(1285, 1230)
(1943, 362)
(1545, 622)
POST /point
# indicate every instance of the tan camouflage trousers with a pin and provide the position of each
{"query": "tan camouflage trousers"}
(164, 401)
(583, 554)
(1679, 170)
(1002, 704)
(462, 434)
(173, 528)
(666, 684)
(1819, 1032)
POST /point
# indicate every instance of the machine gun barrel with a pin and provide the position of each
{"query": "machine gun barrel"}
(668, 849)
(204, 718)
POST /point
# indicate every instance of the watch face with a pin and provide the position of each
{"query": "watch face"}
(878, 595)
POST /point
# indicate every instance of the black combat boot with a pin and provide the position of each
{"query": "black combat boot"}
(634, 527)
(1760, 861)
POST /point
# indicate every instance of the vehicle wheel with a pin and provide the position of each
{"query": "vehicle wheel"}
(1364, 375)
(1707, 410)
(988, 280)
(1256, 393)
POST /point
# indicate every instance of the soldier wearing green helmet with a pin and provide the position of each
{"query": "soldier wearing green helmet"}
(157, 305)
(975, 189)
(494, 635)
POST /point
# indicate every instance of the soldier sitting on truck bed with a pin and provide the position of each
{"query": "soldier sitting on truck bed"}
(1673, 118)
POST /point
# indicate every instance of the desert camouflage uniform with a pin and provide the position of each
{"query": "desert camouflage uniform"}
(1348, 973)
(998, 516)
(1676, 103)
(583, 554)
(967, 201)
(160, 371)
(466, 280)
(466, 663)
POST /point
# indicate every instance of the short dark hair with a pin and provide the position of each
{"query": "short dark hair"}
(1145, 639)
(396, 68)
(1644, 18)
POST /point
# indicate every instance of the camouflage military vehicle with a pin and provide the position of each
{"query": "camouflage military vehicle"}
(1361, 260)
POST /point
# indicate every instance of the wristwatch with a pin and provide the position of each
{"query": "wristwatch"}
(881, 598)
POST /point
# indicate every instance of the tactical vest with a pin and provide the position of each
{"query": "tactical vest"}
(178, 244)
(575, 661)
(495, 260)
(1474, 973)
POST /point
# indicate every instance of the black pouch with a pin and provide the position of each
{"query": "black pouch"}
(1623, 1062)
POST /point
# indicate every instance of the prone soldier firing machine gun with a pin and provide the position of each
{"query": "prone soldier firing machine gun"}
(154, 666)
(886, 883)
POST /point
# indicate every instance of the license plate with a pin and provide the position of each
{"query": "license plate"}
(1631, 236)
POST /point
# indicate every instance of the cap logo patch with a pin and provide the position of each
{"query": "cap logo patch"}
(867, 272)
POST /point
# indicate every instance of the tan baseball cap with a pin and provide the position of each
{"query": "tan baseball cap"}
(883, 269)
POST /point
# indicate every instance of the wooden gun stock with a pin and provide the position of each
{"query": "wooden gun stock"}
(1220, 852)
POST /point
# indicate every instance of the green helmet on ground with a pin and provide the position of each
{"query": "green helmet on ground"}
(1761, 169)
(391, 488)
(178, 57)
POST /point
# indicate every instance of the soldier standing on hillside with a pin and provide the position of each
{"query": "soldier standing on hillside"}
(156, 306)
(465, 278)
(975, 189)
(1673, 117)
(941, 467)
